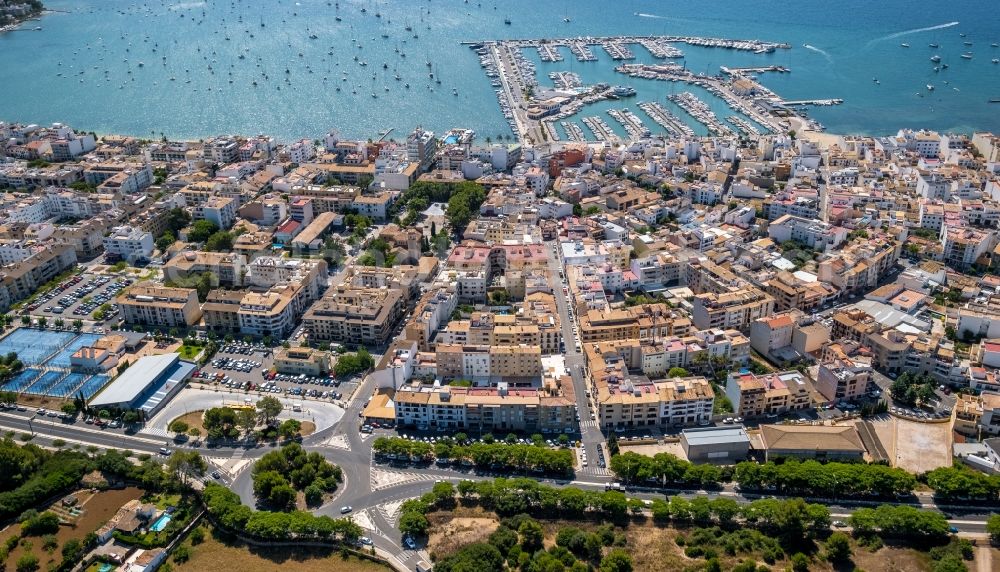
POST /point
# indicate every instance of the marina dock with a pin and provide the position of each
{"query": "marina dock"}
(514, 80)
(745, 71)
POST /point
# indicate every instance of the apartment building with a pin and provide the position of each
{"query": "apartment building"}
(485, 363)
(355, 315)
(499, 409)
(147, 304)
(860, 265)
(812, 233)
(432, 311)
(844, 379)
(635, 402)
(963, 247)
(21, 280)
(128, 243)
(299, 361)
(791, 292)
(642, 322)
(770, 394)
(631, 400)
(279, 291)
(187, 267)
(732, 310)
(219, 210)
(535, 323)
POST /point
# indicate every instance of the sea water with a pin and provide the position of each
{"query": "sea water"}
(192, 82)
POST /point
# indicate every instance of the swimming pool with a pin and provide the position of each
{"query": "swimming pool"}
(160, 523)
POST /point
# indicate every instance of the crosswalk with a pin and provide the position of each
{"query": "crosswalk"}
(588, 423)
(597, 471)
(155, 432)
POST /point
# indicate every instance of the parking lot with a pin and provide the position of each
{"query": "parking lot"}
(78, 297)
(240, 365)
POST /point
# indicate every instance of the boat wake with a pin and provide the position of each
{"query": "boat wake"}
(819, 51)
(913, 31)
(641, 15)
(186, 6)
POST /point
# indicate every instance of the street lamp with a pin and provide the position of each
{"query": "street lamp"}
(30, 426)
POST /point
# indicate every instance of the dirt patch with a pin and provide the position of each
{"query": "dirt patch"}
(97, 509)
(674, 448)
(921, 447)
(308, 428)
(193, 419)
(890, 559)
(221, 554)
(453, 530)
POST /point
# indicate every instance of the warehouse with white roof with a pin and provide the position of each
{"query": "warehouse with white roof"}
(146, 385)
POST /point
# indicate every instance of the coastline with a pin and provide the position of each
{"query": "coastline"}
(16, 26)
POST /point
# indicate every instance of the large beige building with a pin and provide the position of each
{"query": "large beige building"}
(497, 363)
(278, 291)
(355, 315)
(296, 361)
(844, 379)
(647, 321)
(631, 400)
(535, 323)
(731, 310)
(147, 304)
(771, 394)
(484, 409)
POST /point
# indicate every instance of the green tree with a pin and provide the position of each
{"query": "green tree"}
(183, 465)
(201, 230)
(677, 372)
(27, 563)
(993, 527)
(268, 409)
(413, 523)
(838, 547)
(532, 535)
(220, 241)
(617, 560)
(289, 428)
(800, 562)
(282, 497)
(178, 427)
(166, 239)
(177, 219)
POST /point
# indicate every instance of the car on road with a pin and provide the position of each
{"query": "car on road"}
(216, 475)
(839, 524)
(346, 509)
(164, 451)
(409, 543)
(365, 540)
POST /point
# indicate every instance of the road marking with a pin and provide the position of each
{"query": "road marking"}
(77, 428)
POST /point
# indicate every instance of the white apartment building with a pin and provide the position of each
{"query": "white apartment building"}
(128, 243)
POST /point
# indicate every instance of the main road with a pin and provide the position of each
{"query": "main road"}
(375, 491)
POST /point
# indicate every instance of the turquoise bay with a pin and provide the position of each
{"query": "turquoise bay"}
(192, 81)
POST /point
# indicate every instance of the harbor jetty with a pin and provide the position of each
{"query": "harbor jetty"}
(533, 113)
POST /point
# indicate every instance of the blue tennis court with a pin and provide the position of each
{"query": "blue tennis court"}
(33, 346)
(44, 383)
(67, 385)
(62, 360)
(23, 380)
(92, 386)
